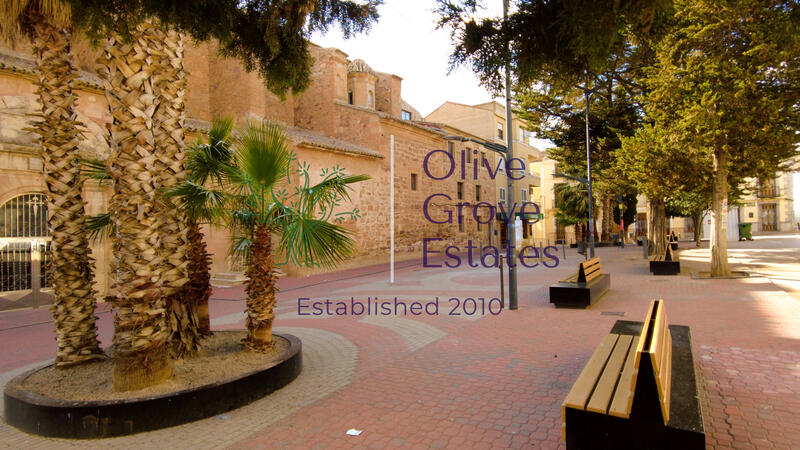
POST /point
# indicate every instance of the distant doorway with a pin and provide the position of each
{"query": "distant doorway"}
(641, 224)
(769, 218)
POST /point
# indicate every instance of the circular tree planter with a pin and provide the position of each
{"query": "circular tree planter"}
(46, 416)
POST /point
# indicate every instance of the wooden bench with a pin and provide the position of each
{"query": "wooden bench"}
(638, 390)
(582, 288)
(666, 264)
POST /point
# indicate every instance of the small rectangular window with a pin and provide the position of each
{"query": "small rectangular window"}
(460, 190)
(477, 193)
(460, 225)
(350, 97)
(405, 115)
(413, 182)
(499, 131)
(502, 194)
(524, 197)
(521, 135)
(450, 147)
(501, 166)
(469, 154)
(483, 157)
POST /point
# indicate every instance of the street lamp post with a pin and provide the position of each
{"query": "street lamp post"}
(511, 230)
(589, 174)
(512, 236)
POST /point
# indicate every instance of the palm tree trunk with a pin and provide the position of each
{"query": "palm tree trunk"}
(260, 291)
(141, 331)
(198, 289)
(170, 84)
(73, 266)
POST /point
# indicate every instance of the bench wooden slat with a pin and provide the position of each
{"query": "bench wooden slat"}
(604, 391)
(661, 356)
(623, 398)
(666, 386)
(579, 394)
(640, 345)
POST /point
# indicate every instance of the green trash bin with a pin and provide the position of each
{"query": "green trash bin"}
(744, 231)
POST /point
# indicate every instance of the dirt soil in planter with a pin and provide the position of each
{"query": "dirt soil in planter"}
(222, 357)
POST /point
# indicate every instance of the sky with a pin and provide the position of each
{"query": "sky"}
(404, 42)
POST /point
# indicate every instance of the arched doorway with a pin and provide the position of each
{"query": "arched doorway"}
(24, 245)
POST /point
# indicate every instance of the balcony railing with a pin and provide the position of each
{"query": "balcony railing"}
(767, 191)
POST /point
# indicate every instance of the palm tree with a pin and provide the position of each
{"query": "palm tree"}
(206, 162)
(47, 24)
(255, 195)
(141, 331)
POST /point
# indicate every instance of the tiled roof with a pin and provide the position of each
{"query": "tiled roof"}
(301, 136)
(360, 66)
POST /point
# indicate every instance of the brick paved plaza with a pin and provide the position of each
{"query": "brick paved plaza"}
(490, 381)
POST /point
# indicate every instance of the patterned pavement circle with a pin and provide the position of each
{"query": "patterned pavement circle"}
(328, 364)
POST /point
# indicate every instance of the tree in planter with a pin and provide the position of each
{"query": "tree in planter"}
(724, 89)
(691, 204)
(654, 165)
(268, 35)
(47, 24)
(206, 163)
(253, 192)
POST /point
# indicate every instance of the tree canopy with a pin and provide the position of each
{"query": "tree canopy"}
(571, 38)
(271, 36)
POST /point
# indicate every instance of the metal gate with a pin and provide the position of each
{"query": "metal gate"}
(24, 251)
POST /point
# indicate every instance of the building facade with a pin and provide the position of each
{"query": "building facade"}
(488, 122)
(351, 116)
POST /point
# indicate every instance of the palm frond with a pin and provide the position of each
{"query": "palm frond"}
(262, 157)
(94, 169)
(241, 246)
(309, 242)
(220, 132)
(201, 204)
(99, 226)
(336, 187)
(211, 160)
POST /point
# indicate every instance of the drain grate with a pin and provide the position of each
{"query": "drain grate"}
(612, 313)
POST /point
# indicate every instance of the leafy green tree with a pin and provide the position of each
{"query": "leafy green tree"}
(572, 38)
(559, 115)
(724, 94)
(557, 50)
(271, 36)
